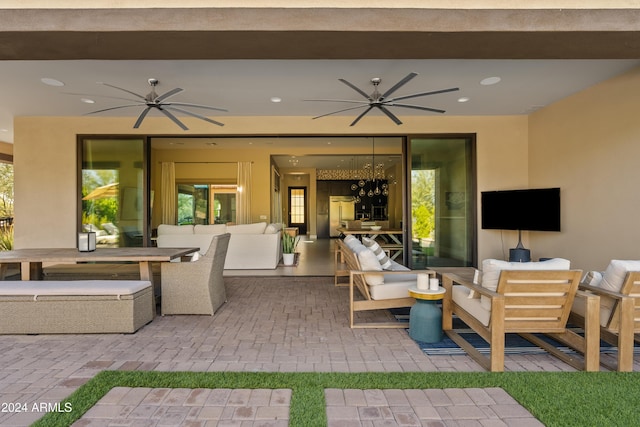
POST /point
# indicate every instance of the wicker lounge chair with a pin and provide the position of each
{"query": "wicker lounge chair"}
(196, 287)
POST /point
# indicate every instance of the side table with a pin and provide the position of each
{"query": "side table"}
(425, 317)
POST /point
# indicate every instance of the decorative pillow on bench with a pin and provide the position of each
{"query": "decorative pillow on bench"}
(384, 260)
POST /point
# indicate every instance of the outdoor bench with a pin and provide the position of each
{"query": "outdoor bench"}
(75, 306)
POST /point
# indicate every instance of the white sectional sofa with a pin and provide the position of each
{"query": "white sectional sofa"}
(252, 246)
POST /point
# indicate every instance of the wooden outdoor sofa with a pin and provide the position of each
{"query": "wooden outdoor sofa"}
(75, 307)
(392, 293)
(619, 310)
(525, 302)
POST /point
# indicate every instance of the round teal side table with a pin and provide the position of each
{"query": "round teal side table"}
(425, 317)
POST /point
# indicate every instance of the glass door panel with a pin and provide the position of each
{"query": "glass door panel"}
(442, 200)
(112, 186)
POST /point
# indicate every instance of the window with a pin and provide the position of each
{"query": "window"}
(297, 206)
(206, 204)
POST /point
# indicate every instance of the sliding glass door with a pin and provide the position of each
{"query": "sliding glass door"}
(114, 190)
(441, 206)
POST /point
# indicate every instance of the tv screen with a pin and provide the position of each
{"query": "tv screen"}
(534, 209)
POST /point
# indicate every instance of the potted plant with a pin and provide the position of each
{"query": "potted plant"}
(289, 243)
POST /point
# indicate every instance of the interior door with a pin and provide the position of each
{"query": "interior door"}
(298, 208)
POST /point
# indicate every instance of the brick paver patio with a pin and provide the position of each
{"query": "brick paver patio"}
(274, 324)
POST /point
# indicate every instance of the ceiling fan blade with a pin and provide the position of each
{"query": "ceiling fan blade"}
(361, 116)
(137, 95)
(417, 107)
(196, 115)
(168, 94)
(360, 91)
(141, 117)
(390, 115)
(398, 85)
(185, 104)
(93, 95)
(350, 101)
(340, 111)
(415, 95)
(173, 118)
(113, 108)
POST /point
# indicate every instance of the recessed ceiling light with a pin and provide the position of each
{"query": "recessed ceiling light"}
(276, 99)
(87, 101)
(464, 99)
(490, 81)
(51, 82)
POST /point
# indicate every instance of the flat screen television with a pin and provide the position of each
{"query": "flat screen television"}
(533, 209)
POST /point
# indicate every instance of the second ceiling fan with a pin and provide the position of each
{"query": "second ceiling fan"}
(382, 101)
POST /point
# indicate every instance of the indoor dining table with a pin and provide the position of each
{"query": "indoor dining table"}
(392, 236)
(31, 260)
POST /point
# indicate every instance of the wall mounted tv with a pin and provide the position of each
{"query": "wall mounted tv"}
(534, 209)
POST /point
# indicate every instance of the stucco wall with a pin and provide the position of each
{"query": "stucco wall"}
(45, 161)
(589, 145)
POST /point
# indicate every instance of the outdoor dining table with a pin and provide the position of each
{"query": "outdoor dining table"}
(31, 260)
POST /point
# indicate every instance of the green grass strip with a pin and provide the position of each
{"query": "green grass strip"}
(555, 398)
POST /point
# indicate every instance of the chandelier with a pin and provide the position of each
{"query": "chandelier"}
(370, 178)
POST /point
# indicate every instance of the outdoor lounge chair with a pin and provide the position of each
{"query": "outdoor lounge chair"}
(379, 289)
(619, 292)
(524, 302)
(196, 287)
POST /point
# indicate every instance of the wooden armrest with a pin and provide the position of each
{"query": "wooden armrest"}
(602, 292)
(586, 295)
(459, 280)
(429, 272)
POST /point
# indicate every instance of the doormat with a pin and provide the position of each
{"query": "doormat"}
(296, 259)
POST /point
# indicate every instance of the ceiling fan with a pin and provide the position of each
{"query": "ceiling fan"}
(159, 102)
(382, 101)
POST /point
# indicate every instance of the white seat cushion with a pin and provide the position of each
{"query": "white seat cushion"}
(606, 305)
(72, 287)
(460, 295)
(392, 286)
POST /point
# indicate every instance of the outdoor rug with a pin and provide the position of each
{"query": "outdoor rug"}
(514, 343)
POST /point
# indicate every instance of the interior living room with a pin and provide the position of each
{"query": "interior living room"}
(578, 135)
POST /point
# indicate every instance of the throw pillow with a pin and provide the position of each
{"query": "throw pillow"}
(592, 278)
(614, 275)
(369, 262)
(385, 262)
